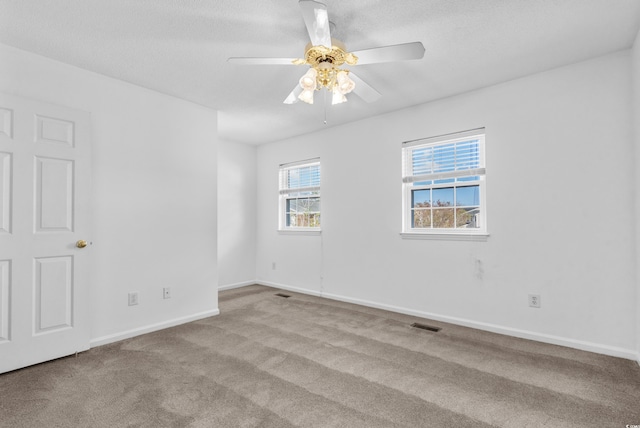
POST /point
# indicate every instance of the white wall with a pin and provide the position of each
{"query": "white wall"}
(236, 214)
(635, 72)
(560, 212)
(154, 194)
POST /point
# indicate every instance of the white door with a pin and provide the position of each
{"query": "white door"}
(44, 212)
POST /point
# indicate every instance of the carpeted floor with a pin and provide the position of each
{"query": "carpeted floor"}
(269, 361)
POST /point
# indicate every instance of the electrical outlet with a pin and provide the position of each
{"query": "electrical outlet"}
(534, 300)
(166, 293)
(273, 266)
(133, 298)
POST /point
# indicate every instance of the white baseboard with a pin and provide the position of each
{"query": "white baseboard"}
(236, 285)
(290, 288)
(151, 328)
(524, 334)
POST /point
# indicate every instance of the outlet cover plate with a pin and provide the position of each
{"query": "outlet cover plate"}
(133, 298)
(534, 300)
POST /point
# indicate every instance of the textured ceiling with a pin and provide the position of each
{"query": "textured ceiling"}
(180, 47)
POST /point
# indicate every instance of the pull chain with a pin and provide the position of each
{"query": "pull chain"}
(325, 107)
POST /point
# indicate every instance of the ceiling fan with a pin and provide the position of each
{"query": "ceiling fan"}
(325, 57)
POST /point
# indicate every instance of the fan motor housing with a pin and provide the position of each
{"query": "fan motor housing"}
(335, 55)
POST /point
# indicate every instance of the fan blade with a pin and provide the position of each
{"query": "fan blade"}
(293, 96)
(262, 61)
(363, 90)
(316, 19)
(401, 52)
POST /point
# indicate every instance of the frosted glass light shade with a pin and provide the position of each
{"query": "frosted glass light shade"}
(338, 97)
(308, 81)
(345, 84)
(307, 96)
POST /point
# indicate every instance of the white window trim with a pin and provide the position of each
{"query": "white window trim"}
(444, 236)
(282, 228)
(311, 231)
(479, 234)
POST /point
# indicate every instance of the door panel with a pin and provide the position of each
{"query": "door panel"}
(54, 195)
(5, 193)
(53, 293)
(44, 211)
(55, 131)
(5, 293)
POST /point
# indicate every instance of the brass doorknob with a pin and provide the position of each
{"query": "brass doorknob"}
(81, 243)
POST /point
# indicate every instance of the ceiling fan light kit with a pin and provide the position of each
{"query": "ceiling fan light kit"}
(325, 56)
(325, 72)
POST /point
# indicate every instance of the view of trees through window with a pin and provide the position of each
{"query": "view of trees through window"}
(448, 207)
(303, 212)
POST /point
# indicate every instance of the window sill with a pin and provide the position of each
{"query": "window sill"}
(443, 236)
(311, 232)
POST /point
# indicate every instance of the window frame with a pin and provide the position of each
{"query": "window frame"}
(409, 181)
(284, 195)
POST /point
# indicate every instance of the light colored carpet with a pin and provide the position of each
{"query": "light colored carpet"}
(303, 361)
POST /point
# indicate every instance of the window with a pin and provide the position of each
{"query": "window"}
(443, 184)
(300, 195)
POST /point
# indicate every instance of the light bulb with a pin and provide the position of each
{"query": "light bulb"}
(308, 81)
(307, 96)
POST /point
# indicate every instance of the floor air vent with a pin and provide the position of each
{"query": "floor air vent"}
(286, 296)
(425, 327)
